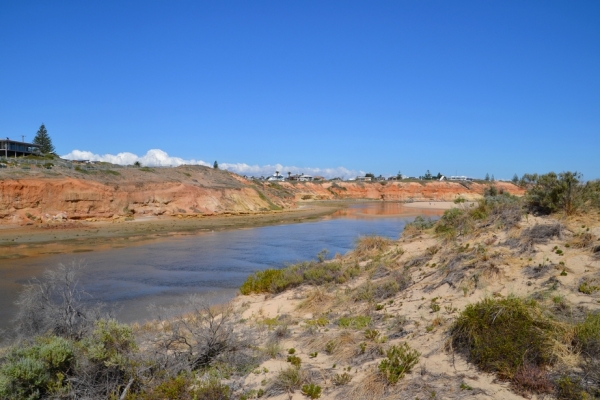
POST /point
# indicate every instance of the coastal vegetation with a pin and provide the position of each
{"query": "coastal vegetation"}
(499, 297)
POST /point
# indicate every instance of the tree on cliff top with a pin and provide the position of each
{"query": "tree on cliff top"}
(43, 140)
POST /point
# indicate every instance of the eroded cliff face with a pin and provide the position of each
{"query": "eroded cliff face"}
(40, 195)
(396, 191)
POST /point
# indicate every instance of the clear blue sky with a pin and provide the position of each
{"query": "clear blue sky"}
(467, 87)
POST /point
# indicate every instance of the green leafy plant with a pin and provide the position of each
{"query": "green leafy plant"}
(311, 391)
(330, 346)
(357, 322)
(398, 362)
(38, 370)
(371, 334)
(341, 379)
(295, 361)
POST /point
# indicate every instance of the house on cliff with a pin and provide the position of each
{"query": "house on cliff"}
(14, 148)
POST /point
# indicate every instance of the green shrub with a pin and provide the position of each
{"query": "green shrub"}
(587, 335)
(358, 322)
(569, 388)
(38, 370)
(588, 287)
(288, 380)
(261, 281)
(340, 380)
(553, 192)
(421, 224)
(398, 362)
(311, 390)
(501, 335)
(313, 273)
(211, 389)
(295, 361)
(177, 387)
(454, 221)
(110, 342)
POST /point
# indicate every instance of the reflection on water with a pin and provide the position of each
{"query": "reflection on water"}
(214, 263)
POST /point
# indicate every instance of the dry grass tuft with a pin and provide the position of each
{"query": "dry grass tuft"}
(342, 346)
(316, 301)
(371, 387)
(582, 241)
(368, 245)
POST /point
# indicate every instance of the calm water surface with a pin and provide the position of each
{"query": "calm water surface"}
(214, 264)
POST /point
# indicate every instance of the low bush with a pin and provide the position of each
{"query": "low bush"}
(357, 322)
(399, 361)
(38, 370)
(311, 391)
(341, 379)
(287, 381)
(588, 286)
(454, 222)
(183, 387)
(587, 335)
(502, 335)
(312, 273)
(420, 224)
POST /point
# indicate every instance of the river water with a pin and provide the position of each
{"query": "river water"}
(213, 264)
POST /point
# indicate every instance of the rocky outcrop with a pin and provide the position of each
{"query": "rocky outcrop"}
(100, 194)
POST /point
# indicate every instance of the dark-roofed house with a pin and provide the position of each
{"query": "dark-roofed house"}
(14, 148)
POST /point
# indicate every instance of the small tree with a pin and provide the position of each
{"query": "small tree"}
(137, 164)
(216, 165)
(515, 179)
(428, 176)
(487, 177)
(370, 175)
(43, 140)
(55, 305)
(399, 176)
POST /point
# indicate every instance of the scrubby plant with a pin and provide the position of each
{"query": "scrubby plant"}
(311, 391)
(287, 381)
(341, 379)
(588, 287)
(38, 370)
(564, 192)
(356, 322)
(310, 272)
(295, 361)
(501, 335)
(399, 361)
(420, 224)
(330, 346)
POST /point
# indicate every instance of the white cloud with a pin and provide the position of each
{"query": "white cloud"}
(159, 158)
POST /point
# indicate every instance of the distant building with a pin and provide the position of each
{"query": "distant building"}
(363, 178)
(305, 178)
(14, 148)
(276, 177)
